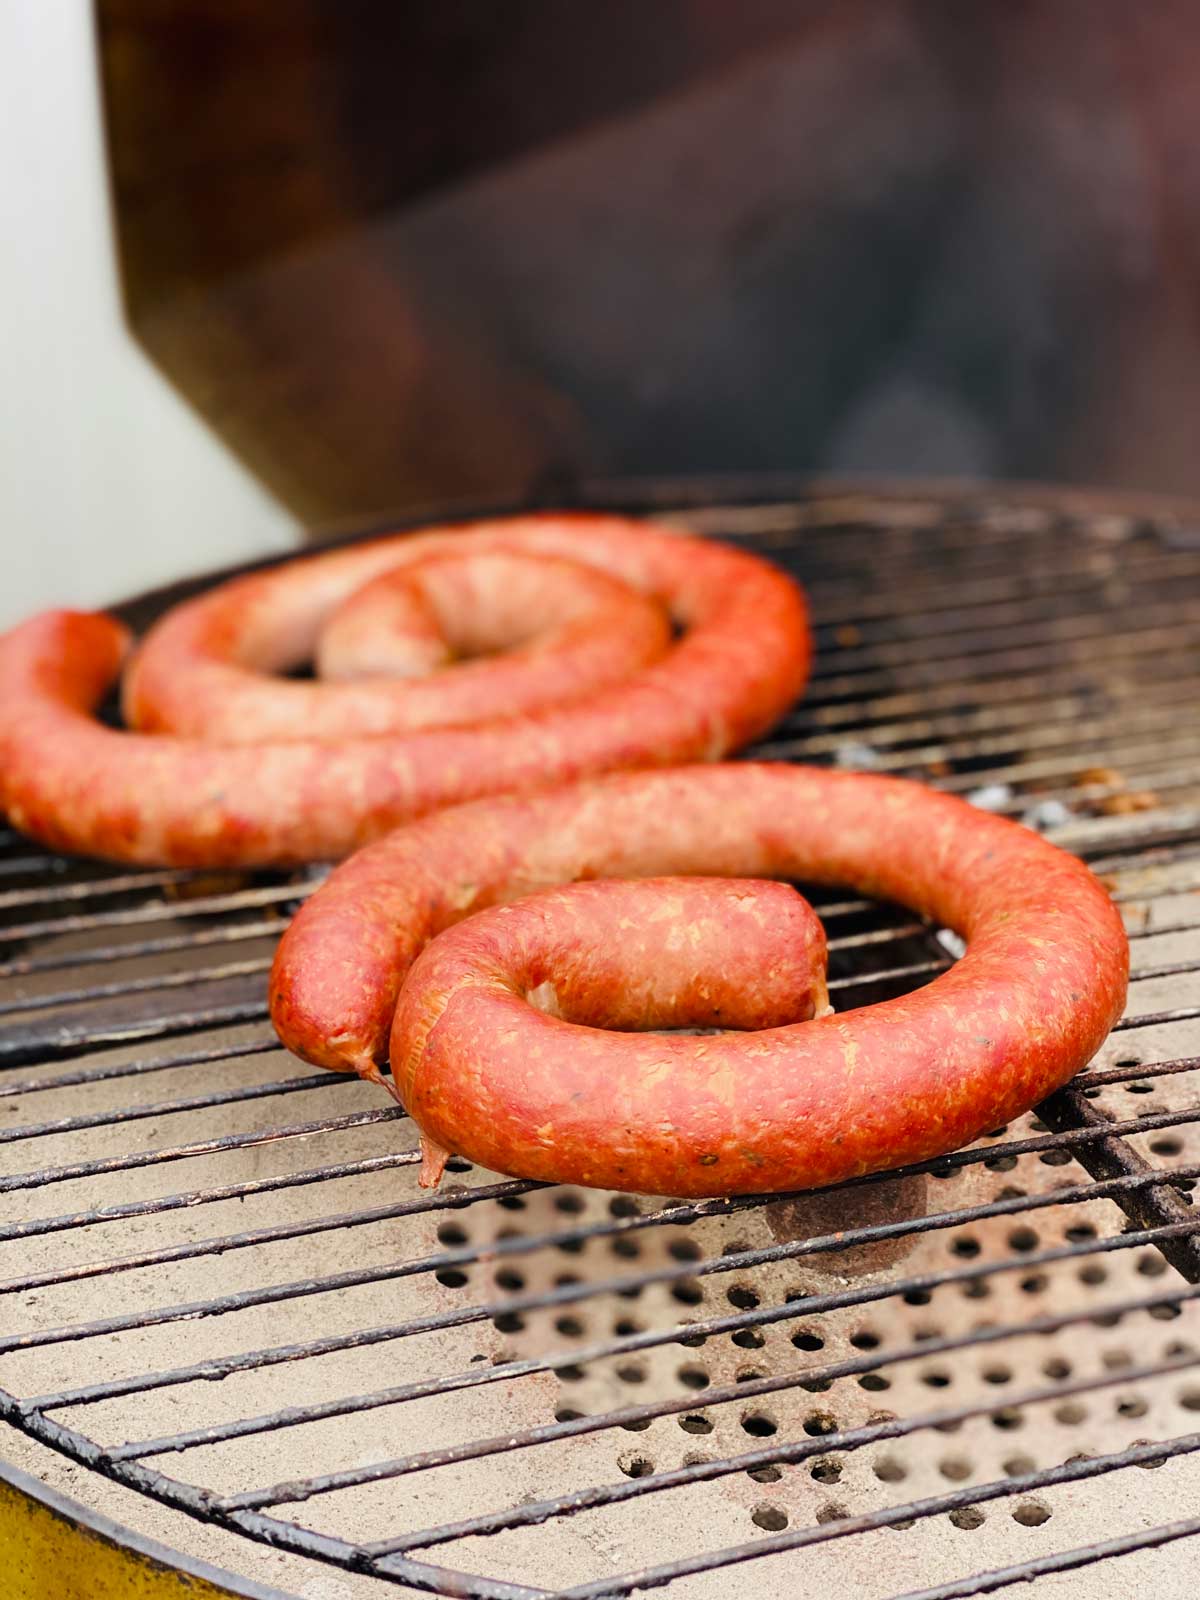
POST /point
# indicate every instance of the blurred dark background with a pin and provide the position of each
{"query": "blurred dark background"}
(401, 254)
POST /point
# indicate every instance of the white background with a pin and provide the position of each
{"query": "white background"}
(108, 482)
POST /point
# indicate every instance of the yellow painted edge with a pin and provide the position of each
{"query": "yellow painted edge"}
(53, 1549)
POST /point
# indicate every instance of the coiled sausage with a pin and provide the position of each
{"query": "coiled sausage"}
(80, 786)
(491, 1077)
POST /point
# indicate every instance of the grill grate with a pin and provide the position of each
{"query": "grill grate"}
(232, 1297)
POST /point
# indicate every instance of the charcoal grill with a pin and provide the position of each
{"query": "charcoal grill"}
(233, 1322)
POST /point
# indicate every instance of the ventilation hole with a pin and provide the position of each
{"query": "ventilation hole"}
(624, 1205)
(748, 1374)
(765, 1474)
(693, 1423)
(806, 1340)
(631, 1372)
(761, 1424)
(1023, 1239)
(740, 1296)
(1052, 1158)
(635, 1466)
(917, 1297)
(1139, 1088)
(816, 1385)
(624, 1327)
(636, 1425)
(1108, 1319)
(570, 1374)
(1167, 1147)
(1131, 1405)
(1178, 1348)
(831, 1513)
(687, 1291)
(771, 1518)
(451, 1278)
(506, 1278)
(452, 1233)
(817, 1424)
(1035, 1283)
(1000, 1164)
(693, 1341)
(1149, 1466)
(570, 1327)
(693, 1377)
(924, 1335)
(956, 1468)
(512, 1202)
(684, 1250)
(1114, 1360)
(977, 1289)
(966, 1247)
(826, 1472)
(510, 1233)
(696, 1458)
(571, 1247)
(734, 1247)
(1019, 1466)
(1038, 1125)
(564, 1280)
(947, 1427)
(1008, 1419)
(508, 1322)
(1079, 1232)
(1189, 1399)
(569, 1202)
(889, 1470)
(1011, 1192)
(997, 1375)
(1093, 1274)
(625, 1246)
(903, 1525)
(1166, 1313)
(968, 1517)
(747, 1339)
(1151, 1266)
(864, 1339)
(1057, 1368)
(568, 1414)
(936, 1380)
(1031, 1513)
(873, 1381)
(1070, 1412)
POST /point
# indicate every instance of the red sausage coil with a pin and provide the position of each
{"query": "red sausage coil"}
(492, 1075)
(240, 768)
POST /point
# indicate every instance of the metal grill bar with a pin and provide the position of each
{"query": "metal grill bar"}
(570, 1294)
(1058, 1561)
(627, 1344)
(158, 911)
(354, 1477)
(841, 1440)
(196, 940)
(139, 1069)
(149, 985)
(912, 1510)
(199, 1147)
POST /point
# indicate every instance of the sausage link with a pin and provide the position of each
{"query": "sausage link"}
(1041, 984)
(82, 787)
